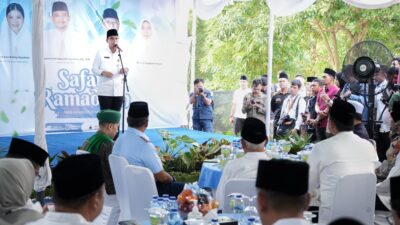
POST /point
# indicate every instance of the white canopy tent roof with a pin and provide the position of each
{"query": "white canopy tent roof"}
(207, 9)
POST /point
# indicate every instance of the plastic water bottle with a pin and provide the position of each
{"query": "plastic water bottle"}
(166, 201)
(160, 203)
(214, 222)
(154, 202)
(172, 203)
(251, 221)
(238, 206)
(174, 218)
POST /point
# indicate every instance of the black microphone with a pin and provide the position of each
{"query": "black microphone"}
(119, 49)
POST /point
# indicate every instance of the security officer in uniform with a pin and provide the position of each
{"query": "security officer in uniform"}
(202, 101)
(135, 146)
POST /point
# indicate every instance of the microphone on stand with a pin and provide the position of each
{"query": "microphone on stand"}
(119, 49)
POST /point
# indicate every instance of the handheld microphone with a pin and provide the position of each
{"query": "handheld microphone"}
(119, 49)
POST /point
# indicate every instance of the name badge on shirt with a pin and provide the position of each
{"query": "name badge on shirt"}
(106, 57)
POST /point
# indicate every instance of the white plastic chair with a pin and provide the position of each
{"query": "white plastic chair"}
(243, 186)
(117, 166)
(355, 198)
(142, 186)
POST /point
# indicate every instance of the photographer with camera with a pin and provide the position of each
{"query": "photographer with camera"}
(254, 102)
(292, 109)
(202, 101)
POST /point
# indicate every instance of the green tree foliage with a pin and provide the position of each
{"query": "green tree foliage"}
(235, 42)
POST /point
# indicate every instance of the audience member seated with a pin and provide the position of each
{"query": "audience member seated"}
(26, 150)
(16, 184)
(383, 171)
(101, 144)
(282, 187)
(393, 165)
(135, 146)
(253, 141)
(359, 127)
(395, 199)
(343, 154)
(78, 191)
(382, 188)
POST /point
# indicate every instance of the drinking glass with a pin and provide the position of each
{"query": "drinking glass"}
(250, 211)
(226, 150)
(286, 149)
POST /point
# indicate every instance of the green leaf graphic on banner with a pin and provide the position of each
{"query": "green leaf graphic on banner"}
(3, 117)
(16, 91)
(15, 134)
(23, 109)
(13, 100)
(116, 5)
(129, 23)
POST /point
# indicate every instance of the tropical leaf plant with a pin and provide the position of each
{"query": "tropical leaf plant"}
(297, 141)
(197, 153)
(175, 160)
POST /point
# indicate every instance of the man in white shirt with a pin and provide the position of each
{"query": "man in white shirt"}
(382, 113)
(282, 196)
(292, 108)
(253, 141)
(237, 117)
(108, 66)
(343, 154)
(78, 191)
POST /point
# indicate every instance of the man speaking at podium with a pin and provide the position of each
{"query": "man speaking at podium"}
(107, 65)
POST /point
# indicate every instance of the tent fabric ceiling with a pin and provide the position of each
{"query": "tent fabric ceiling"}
(288, 7)
(291, 7)
(207, 9)
(371, 4)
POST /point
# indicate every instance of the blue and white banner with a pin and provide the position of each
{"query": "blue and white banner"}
(158, 64)
(155, 49)
(16, 74)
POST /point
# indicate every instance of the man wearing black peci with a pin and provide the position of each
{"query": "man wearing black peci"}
(107, 65)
